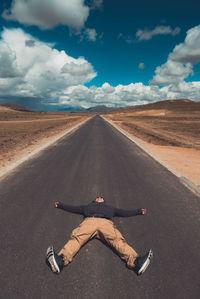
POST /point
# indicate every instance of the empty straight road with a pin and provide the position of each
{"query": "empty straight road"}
(97, 160)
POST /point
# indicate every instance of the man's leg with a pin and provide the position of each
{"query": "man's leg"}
(113, 237)
(80, 235)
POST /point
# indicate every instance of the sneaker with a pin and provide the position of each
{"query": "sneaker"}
(142, 262)
(54, 261)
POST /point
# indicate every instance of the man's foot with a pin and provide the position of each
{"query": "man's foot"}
(54, 261)
(142, 262)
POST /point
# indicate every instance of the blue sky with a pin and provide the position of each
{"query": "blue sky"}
(58, 54)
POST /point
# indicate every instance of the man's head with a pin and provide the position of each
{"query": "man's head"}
(99, 199)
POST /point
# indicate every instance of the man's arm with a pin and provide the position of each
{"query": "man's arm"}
(129, 213)
(69, 208)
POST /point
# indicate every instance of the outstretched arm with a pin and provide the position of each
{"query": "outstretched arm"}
(129, 213)
(69, 208)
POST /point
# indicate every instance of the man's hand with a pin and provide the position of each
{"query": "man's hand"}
(56, 204)
(144, 211)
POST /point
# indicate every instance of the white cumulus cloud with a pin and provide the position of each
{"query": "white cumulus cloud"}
(189, 51)
(8, 63)
(180, 61)
(171, 72)
(182, 90)
(91, 34)
(47, 14)
(107, 88)
(33, 68)
(147, 34)
(121, 95)
(128, 95)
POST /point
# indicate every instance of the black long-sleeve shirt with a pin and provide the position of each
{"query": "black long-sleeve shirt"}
(99, 209)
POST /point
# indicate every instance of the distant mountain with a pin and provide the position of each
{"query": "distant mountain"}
(69, 109)
(17, 107)
(95, 109)
(100, 108)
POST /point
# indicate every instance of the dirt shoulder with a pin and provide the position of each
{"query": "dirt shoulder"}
(183, 159)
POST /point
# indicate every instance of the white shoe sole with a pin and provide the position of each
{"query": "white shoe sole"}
(146, 263)
(51, 260)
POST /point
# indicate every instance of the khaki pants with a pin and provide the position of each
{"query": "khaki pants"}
(99, 228)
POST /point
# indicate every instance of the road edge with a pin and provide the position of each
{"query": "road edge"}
(190, 185)
(40, 148)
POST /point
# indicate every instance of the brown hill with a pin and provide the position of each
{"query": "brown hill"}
(171, 122)
(16, 107)
(179, 105)
(6, 109)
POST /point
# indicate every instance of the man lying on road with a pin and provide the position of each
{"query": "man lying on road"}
(97, 223)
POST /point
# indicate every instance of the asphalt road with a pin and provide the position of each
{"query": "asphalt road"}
(97, 160)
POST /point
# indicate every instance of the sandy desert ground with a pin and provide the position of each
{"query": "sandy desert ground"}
(170, 130)
(23, 132)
